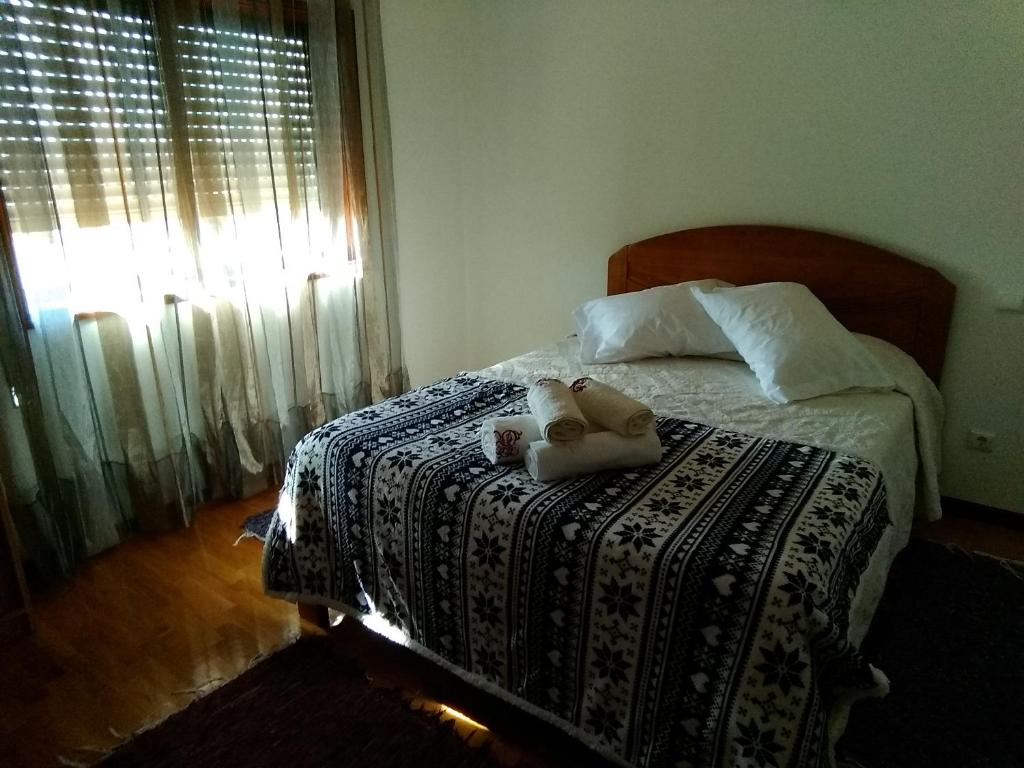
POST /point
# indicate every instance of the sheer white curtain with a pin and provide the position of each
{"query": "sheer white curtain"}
(205, 277)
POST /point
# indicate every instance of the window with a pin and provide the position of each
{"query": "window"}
(145, 155)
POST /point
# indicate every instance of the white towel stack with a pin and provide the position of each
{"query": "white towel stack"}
(586, 428)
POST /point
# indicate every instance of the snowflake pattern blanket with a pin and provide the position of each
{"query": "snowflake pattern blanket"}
(691, 613)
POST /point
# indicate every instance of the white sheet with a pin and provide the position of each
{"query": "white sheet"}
(898, 431)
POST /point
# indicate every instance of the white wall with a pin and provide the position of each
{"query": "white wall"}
(424, 65)
(558, 131)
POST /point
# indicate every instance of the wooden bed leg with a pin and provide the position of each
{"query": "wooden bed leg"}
(315, 615)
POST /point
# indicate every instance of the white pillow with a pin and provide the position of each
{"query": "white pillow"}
(791, 341)
(658, 322)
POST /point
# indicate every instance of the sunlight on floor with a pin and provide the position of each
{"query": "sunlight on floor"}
(463, 718)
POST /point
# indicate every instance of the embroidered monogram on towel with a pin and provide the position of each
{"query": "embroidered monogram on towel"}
(693, 612)
(506, 442)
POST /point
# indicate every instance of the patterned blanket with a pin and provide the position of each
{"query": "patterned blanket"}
(691, 613)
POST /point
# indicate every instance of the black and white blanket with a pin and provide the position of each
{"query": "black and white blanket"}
(691, 613)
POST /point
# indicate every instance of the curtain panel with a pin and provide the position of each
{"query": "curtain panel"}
(199, 253)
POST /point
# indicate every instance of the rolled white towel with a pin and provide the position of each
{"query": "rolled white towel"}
(610, 408)
(504, 440)
(595, 452)
(556, 411)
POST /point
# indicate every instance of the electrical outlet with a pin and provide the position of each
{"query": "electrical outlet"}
(980, 440)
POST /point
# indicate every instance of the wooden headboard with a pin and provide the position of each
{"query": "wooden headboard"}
(868, 289)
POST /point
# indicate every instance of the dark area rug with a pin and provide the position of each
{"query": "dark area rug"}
(949, 634)
(256, 526)
(307, 705)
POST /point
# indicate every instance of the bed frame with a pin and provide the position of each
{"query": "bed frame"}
(868, 289)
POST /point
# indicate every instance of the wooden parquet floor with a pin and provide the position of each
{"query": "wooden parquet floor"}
(137, 634)
(145, 628)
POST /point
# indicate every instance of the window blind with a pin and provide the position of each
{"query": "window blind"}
(85, 138)
(82, 116)
(250, 93)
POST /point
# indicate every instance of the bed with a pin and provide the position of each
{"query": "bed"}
(707, 610)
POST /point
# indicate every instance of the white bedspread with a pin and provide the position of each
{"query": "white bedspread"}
(898, 431)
